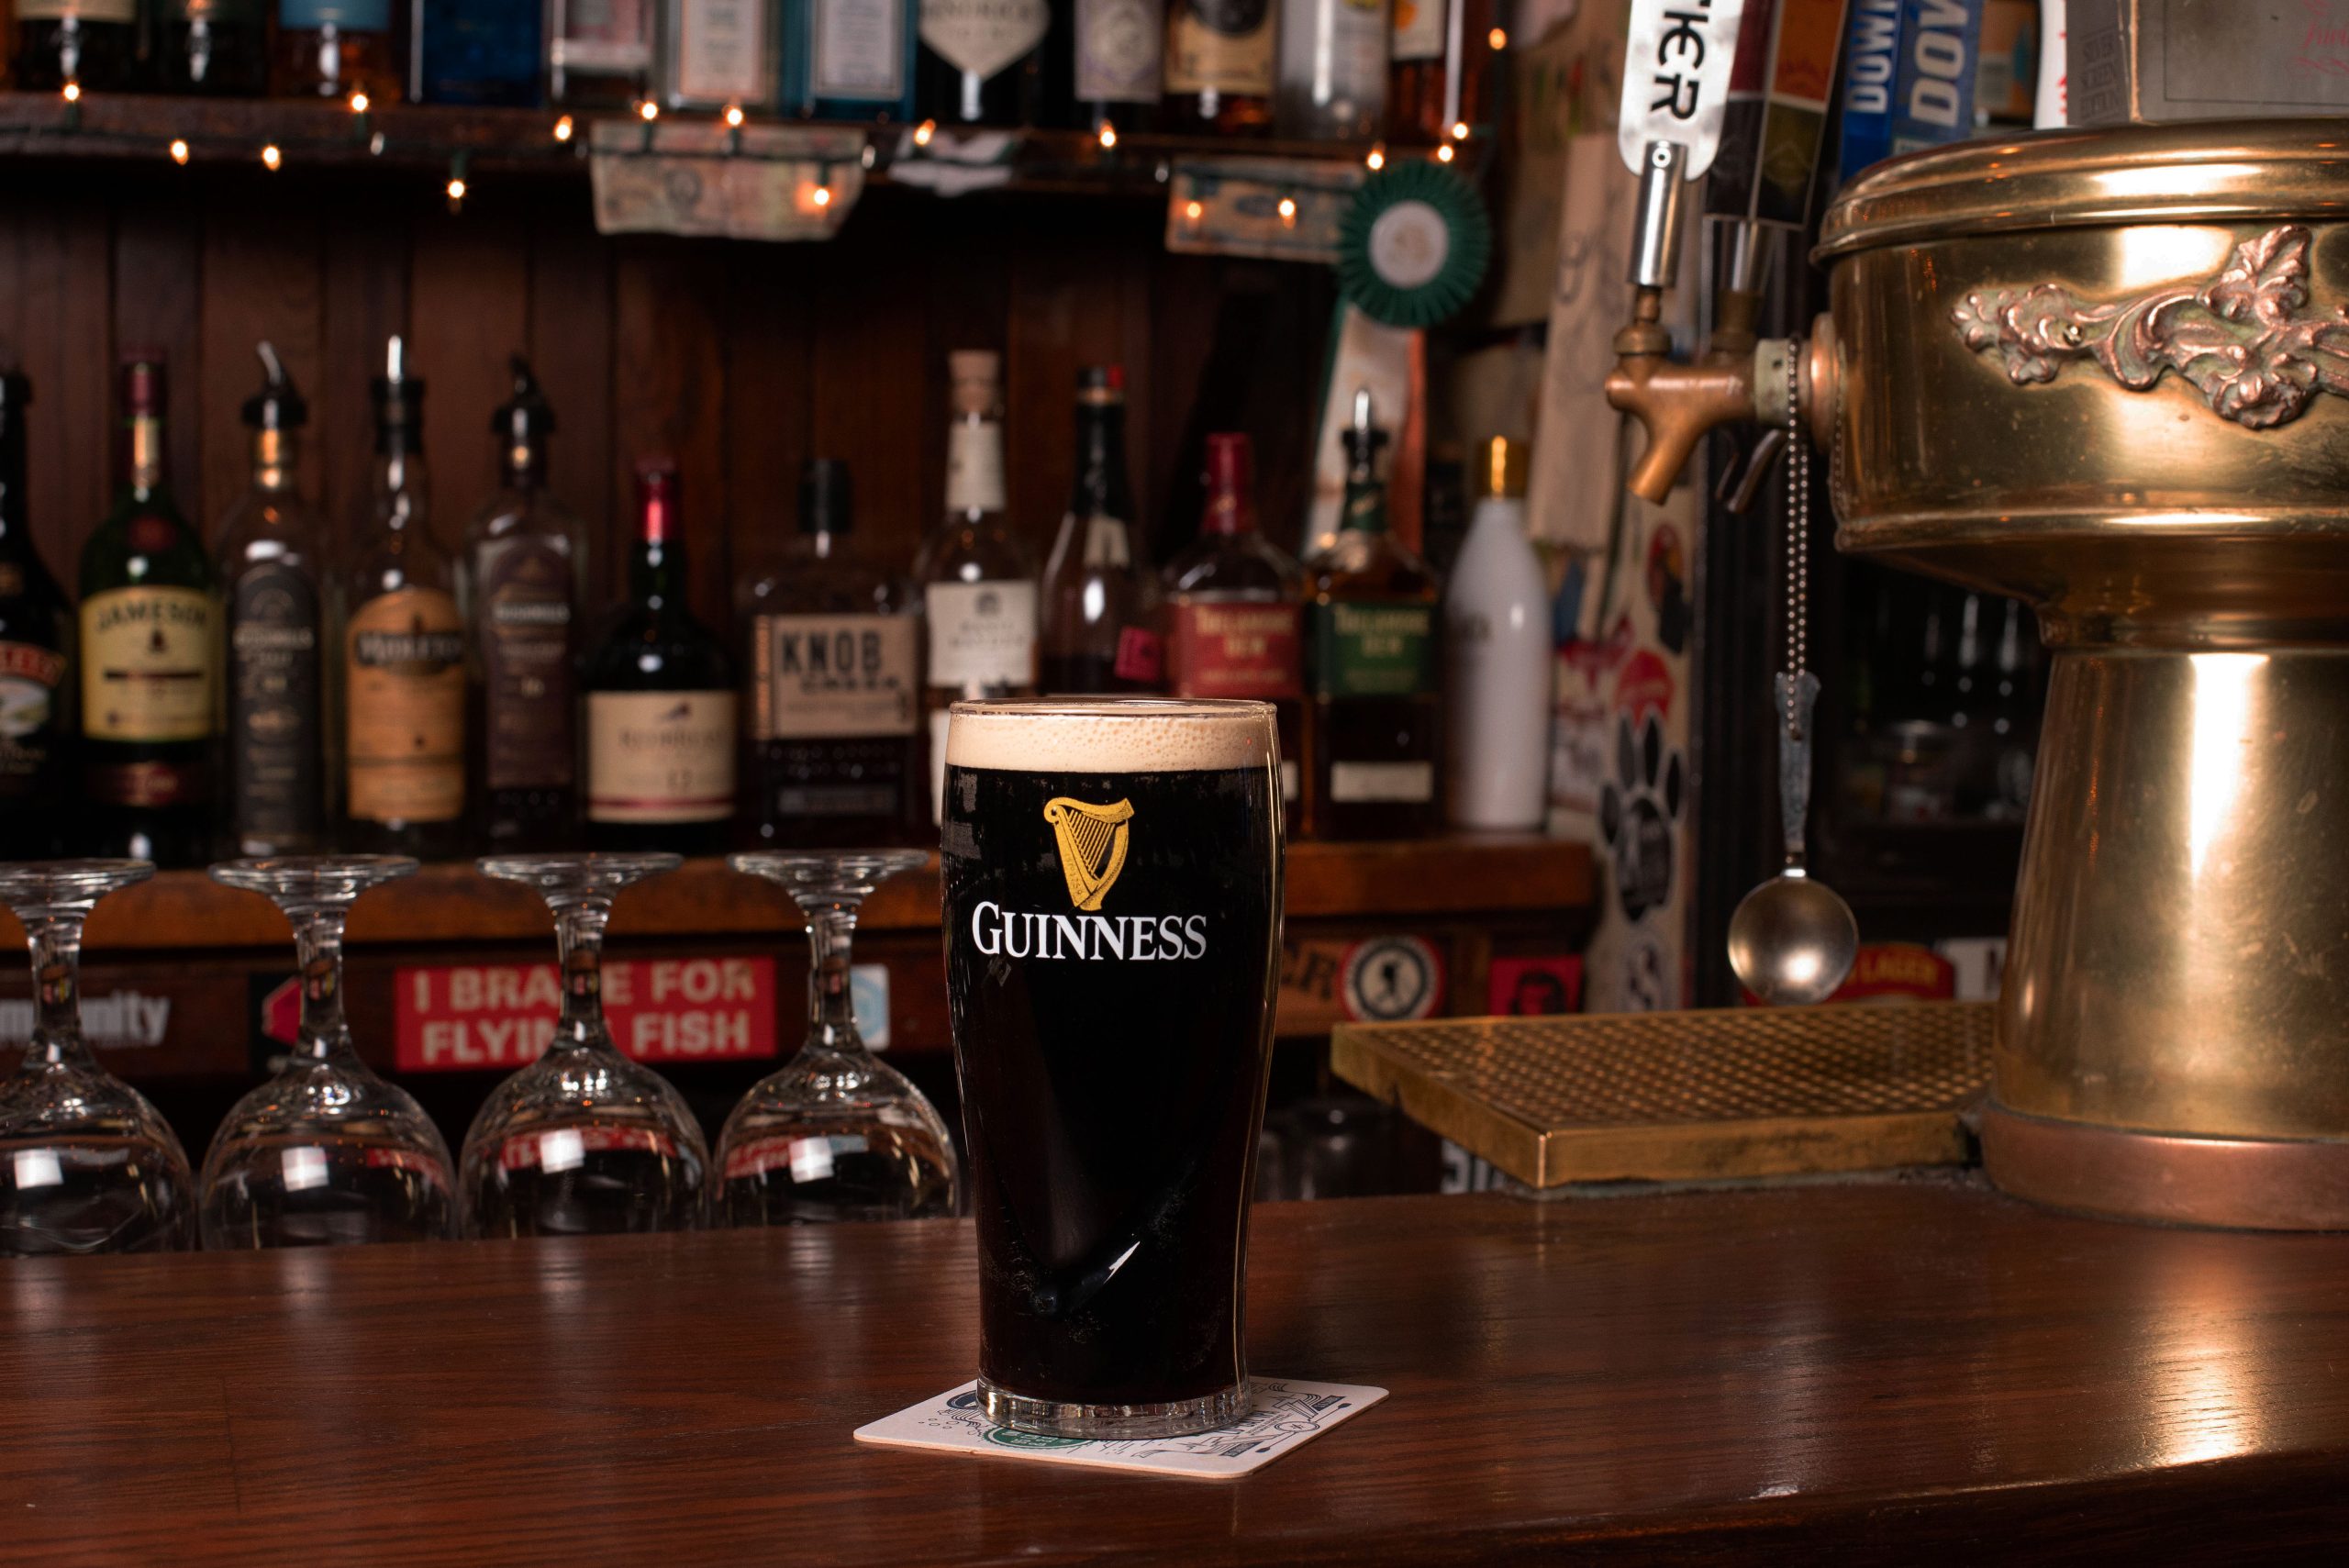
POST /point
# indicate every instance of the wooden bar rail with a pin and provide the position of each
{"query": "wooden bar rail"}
(1896, 1373)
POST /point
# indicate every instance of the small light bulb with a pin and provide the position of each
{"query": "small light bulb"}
(359, 102)
(456, 190)
(1443, 153)
(1288, 210)
(72, 92)
(563, 129)
(1460, 130)
(924, 131)
(1108, 134)
(1377, 159)
(734, 116)
(179, 149)
(271, 158)
(1194, 211)
(650, 110)
(822, 196)
(1498, 39)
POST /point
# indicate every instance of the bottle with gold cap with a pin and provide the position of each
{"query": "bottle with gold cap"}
(1496, 626)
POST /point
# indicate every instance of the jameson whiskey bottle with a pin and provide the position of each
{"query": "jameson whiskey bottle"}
(833, 758)
(525, 564)
(1371, 740)
(979, 581)
(270, 581)
(1233, 612)
(403, 654)
(660, 700)
(35, 656)
(1100, 609)
(151, 654)
(1219, 67)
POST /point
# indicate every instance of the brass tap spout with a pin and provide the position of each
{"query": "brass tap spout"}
(1676, 404)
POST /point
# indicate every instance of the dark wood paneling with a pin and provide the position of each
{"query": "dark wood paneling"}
(669, 374)
(771, 398)
(261, 281)
(365, 292)
(570, 347)
(468, 314)
(872, 362)
(158, 273)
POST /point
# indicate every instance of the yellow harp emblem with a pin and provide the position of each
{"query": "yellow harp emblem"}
(1093, 846)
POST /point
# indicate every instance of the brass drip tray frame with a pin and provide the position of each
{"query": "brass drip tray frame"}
(1700, 1096)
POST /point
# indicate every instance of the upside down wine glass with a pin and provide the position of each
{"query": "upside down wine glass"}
(836, 1133)
(583, 1141)
(326, 1153)
(86, 1165)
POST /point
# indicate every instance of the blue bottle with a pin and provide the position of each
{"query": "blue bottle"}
(476, 52)
(849, 60)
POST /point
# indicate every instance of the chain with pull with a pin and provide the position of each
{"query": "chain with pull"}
(1798, 452)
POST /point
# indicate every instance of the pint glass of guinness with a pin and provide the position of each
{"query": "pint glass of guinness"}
(1113, 911)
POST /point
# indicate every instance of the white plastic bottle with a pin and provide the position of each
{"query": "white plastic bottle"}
(1496, 622)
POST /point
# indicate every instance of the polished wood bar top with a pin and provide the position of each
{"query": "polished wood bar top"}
(1898, 1373)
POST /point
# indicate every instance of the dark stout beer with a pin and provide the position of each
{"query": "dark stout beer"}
(1112, 873)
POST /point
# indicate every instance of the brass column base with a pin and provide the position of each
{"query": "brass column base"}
(2249, 1183)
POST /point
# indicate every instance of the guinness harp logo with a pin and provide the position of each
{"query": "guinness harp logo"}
(1093, 846)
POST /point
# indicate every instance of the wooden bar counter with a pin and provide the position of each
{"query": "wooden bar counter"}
(1894, 1373)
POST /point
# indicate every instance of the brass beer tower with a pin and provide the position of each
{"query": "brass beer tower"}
(2109, 372)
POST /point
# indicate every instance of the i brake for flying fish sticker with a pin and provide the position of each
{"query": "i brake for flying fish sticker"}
(1675, 78)
(1284, 1412)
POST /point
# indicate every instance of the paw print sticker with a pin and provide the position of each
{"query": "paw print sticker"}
(1637, 808)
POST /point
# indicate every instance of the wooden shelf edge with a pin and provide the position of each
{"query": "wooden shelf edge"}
(451, 902)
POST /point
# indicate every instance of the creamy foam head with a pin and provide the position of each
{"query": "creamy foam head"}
(1127, 734)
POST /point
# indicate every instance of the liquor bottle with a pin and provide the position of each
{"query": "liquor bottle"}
(2012, 721)
(849, 60)
(660, 699)
(1333, 69)
(35, 661)
(1100, 605)
(215, 46)
(1219, 66)
(719, 54)
(92, 42)
(1441, 77)
(475, 52)
(1232, 600)
(151, 654)
(522, 579)
(599, 52)
(979, 581)
(1371, 735)
(1496, 630)
(332, 48)
(834, 749)
(1108, 69)
(272, 583)
(402, 652)
(981, 63)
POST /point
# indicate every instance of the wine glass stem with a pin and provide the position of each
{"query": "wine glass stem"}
(318, 943)
(56, 941)
(831, 1004)
(579, 937)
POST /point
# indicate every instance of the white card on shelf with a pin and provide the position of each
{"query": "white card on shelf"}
(1285, 1412)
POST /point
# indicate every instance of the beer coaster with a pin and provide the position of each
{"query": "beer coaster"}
(1285, 1412)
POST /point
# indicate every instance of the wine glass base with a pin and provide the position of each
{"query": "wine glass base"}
(1066, 1419)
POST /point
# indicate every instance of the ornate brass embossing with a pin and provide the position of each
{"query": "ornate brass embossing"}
(2240, 338)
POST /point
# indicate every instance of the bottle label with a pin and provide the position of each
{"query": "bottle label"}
(817, 676)
(722, 51)
(349, 16)
(274, 703)
(1372, 650)
(1418, 30)
(602, 36)
(1226, 45)
(983, 36)
(84, 10)
(149, 659)
(29, 677)
(1140, 656)
(1357, 784)
(660, 756)
(859, 50)
(982, 634)
(524, 633)
(836, 778)
(1235, 649)
(405, 719)
(974, 466)
(1119, 46)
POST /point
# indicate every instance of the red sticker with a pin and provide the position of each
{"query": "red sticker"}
(1140, 656)
(494, 1017)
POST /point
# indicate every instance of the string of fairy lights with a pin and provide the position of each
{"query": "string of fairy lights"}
(564, 139)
